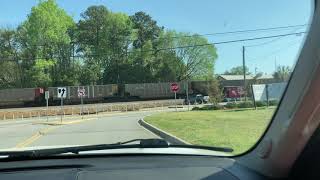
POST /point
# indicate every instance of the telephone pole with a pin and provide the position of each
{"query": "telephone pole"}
(275, 64)
(244, 71)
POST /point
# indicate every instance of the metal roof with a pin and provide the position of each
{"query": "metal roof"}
(240, 77)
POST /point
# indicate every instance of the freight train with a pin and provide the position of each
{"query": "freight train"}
(109, 93)
(94, 93)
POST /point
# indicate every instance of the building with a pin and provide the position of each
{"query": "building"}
(237, 80)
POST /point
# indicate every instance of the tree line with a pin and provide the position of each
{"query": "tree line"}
(50, 49)
(281, 73)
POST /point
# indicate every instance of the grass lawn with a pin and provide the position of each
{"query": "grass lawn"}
(238, 129)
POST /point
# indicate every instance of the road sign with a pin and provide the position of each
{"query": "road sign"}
(81, 92)
(174, 87)
(41, 90)
(62, 92)
(46, 95)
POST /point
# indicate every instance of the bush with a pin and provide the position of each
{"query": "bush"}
(196, 109)
(207, 108)
(210, 88)
(273, 103)
(213, 107)
(217, 107)
(246, 104)
(261, 103)
(231, 105)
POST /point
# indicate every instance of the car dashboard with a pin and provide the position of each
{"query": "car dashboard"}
(126, 167)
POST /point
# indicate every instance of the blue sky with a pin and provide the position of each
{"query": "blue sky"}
(206, 16)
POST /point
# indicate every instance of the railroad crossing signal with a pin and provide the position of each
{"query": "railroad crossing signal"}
(62, 92)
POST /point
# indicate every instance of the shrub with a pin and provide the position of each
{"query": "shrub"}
(196, 109)
(231, 105)
(246, 104)
(273, 103)
(209, 107)
(261, 103)
(217, 107)
(206, 108)
(210, 87)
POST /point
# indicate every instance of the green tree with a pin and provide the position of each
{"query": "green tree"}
(146, 29)
(90, 72)
(238, 70)
(44, 36)
(283, 73)
(167, 64)
(198, 60)
(144, 56)
(120, 31)
(104, 38)
(10, 74)
(39, 72)
(93, 43)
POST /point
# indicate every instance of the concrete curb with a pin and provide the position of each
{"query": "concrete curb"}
(163, 134)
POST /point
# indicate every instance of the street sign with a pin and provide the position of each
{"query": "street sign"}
(62, 92)
(81, 92)
(174, 87)
(46, 95)
(41, 90)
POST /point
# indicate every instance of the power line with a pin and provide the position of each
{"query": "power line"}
(271, 41)
(207, 34)
(188, 46)
(215, 43)
(276, 51)
(233, 41)
(243, 31)
(234, 32)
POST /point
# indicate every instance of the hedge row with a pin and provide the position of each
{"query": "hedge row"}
(233, 105)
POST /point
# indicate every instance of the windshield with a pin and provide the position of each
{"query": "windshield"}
(205, 73)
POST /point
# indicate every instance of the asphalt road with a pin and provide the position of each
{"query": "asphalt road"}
(107, 128)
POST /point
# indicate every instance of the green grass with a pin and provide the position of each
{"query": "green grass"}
(237, 129)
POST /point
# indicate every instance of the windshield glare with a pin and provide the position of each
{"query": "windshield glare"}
(104, 72)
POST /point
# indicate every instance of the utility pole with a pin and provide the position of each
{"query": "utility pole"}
(187, 93)
(73, 52)
(275, 64)
(244, 71)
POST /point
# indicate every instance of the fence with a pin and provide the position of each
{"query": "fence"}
(85, 109)
(266, 92)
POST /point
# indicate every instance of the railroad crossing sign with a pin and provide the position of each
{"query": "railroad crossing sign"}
(81, 92)
(174, 87)
(62, 92)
